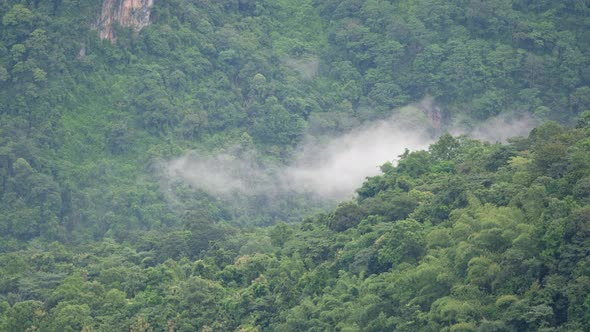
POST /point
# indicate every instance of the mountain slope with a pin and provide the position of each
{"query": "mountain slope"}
(466, 236)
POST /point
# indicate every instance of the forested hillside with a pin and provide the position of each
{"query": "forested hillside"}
(467, 236)
(96, 98)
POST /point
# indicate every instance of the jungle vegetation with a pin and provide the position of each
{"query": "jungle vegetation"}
(464, 236)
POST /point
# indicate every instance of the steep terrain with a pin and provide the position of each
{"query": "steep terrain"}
(95, 119)
(467, 236)
(98, 98)
(133, 14)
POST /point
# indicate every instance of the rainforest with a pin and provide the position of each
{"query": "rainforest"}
(294, 165)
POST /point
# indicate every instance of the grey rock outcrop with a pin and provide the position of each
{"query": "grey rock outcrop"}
(126, 13)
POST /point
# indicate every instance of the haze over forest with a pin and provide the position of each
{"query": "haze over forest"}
(294, 165)
(327, 168)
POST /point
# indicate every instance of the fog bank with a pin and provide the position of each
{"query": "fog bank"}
(328, 168)
(337, 167)
(504, 126)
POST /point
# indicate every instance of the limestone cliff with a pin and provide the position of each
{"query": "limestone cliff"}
(126, 13)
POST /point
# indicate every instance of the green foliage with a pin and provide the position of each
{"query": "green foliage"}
(404, 243)
(466, 236)
(375, 263)
(347, 215)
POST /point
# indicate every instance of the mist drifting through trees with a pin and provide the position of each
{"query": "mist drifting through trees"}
(294, 165)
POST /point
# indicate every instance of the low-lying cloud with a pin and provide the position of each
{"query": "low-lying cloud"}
(504, 126)
(340, 165)
(329, 169)
(326, 168)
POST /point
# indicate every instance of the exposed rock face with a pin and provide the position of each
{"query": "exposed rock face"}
(126, 13)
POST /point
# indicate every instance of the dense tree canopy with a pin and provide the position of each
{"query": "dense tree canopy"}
(463, 236)
(478, 249)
